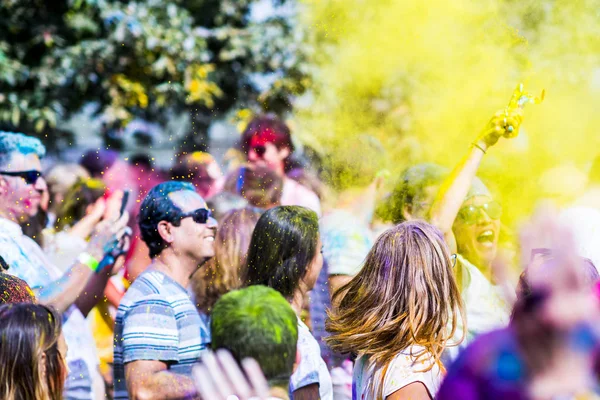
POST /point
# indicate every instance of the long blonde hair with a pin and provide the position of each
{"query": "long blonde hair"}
(223, 272)
(27, 331)
(404, 295)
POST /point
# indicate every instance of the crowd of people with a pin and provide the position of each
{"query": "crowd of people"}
(283, 277)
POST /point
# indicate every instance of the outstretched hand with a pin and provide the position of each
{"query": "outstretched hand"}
(503, 123)
(218, 377)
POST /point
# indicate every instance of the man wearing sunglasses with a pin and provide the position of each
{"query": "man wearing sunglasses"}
(267, 142)
(71, 293)
(159, 333)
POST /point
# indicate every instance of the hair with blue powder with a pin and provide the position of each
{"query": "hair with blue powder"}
(11, 143)
(259, 323)
(158, 206)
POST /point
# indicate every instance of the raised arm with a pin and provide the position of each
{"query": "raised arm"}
(455, 188)
(65, 291)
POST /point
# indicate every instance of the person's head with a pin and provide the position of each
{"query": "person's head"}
(405, 294)
(285, 250)
(32, 352)
(544, 259)
(415, 192)
(267, 141)
(260, 186)
(222, 273)
(257, 322)
(538, 318)
(78, 200)
(353, 165)
(141, 160)
(21, 181)
(221, 203)
(477, 226)
(173, 216)
(14, 290)
(199, 168)
(97, 162)
(60, 179)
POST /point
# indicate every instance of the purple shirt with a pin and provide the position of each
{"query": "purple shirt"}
(491, 368)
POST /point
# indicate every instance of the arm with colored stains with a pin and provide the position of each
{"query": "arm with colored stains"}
(79, 283)
(454, 189)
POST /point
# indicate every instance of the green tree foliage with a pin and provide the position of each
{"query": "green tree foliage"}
(145, 59)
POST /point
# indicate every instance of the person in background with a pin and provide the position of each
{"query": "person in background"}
(259, 185)
(14, 290)
(413, 195)
(84, 207)
(548, 349)
(285, 254)
(222, 273)
(72, 293)
(81, 210)
(202, 170)
(466, 212)
(224, 202)
(177, 227)
(353, 172)
(257, 322)
(267, 141)
(398, 314)
(32, 352)
(60, 178)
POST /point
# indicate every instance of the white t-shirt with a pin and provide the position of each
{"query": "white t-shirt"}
(403, 370)
(295, 194)
(311, 369)
(485, 308)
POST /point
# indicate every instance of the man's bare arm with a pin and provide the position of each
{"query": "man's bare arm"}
(150, 380)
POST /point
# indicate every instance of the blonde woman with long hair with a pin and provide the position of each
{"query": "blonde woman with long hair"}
(32, 353)
(222, 273)
(398, 314)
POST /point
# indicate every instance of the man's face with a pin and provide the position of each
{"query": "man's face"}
(192, 239)
(18, 198)
(477, 231)
(267, 154)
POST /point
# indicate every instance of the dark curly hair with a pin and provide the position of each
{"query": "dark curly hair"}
(156, 207)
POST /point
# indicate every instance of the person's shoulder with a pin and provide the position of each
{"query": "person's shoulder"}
(295, 192)
(146, 287)
(412, 365)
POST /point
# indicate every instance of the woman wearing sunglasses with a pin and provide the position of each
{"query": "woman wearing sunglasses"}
(465, 211)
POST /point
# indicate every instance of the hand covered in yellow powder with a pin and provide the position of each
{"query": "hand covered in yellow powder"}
(503, 123)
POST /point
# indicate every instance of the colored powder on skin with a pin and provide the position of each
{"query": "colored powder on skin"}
(14, 290)
(425, 77)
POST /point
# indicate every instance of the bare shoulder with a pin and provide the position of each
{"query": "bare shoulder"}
(412, 391)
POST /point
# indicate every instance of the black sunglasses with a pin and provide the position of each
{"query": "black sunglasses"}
(200, 216)
(470, 214)
(30, 177)
(260, 150)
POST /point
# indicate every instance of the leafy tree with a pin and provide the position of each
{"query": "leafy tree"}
(145, 58)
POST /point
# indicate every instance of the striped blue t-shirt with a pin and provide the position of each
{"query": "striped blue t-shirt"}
(157, 320)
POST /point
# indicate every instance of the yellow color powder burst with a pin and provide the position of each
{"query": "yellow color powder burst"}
(424, 77)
